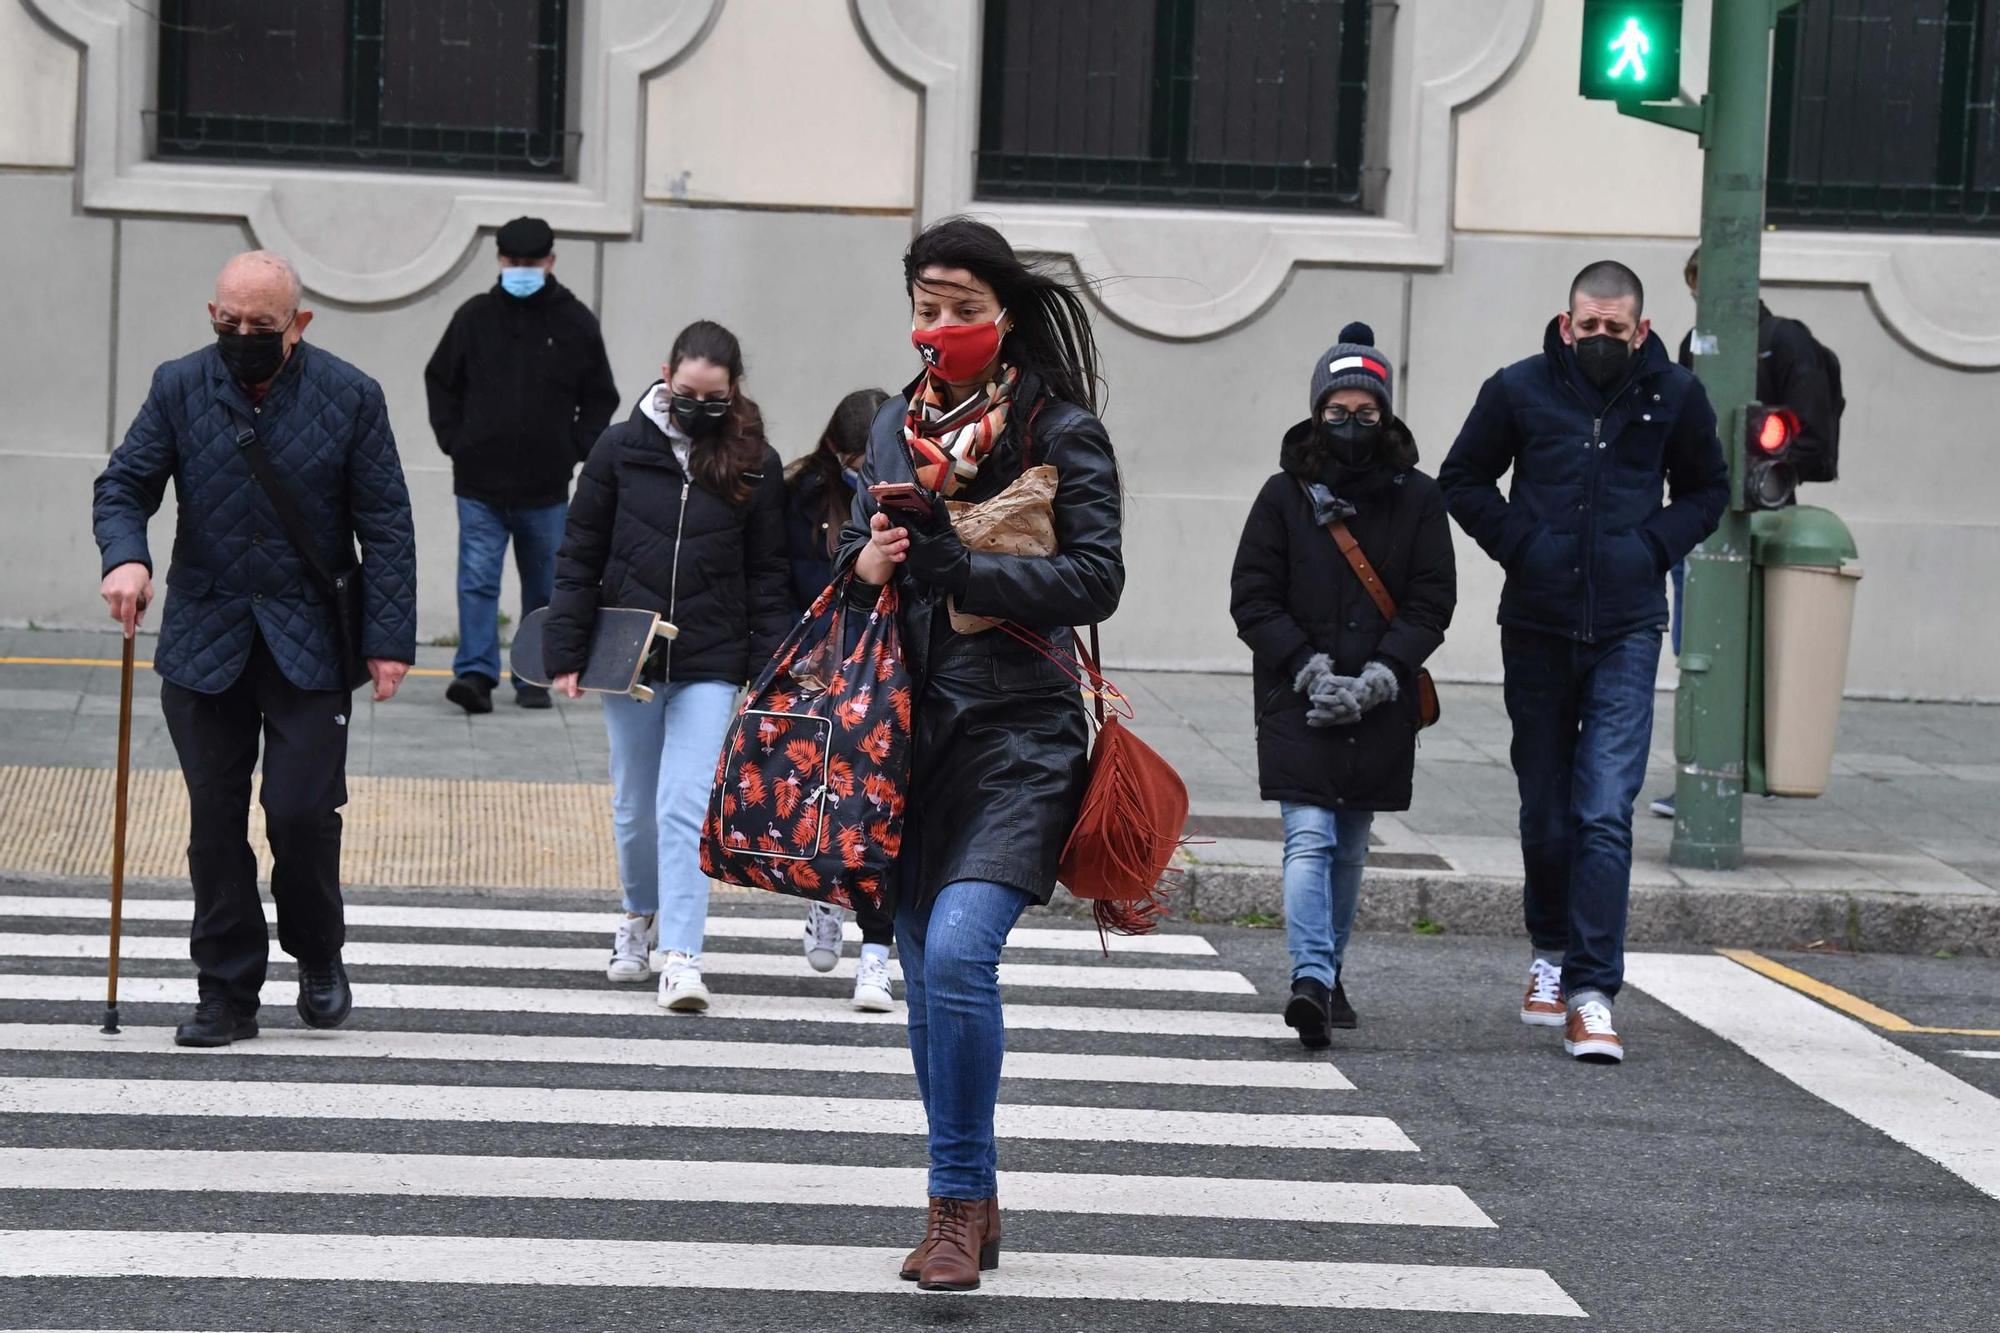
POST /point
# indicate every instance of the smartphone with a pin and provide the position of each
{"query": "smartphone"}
(901, 497)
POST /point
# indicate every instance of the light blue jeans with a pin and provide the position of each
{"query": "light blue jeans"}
(663, 757)
(951, 983)
(1325, 851)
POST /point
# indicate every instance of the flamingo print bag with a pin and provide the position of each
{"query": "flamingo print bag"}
(809, 791)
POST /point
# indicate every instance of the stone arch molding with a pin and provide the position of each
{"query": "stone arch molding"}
(1939, 295)
(1228, 265)
(365, 237)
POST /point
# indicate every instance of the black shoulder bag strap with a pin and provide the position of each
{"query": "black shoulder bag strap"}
(342, 588)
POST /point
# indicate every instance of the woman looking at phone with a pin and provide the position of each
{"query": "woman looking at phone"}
(680, 509)
(1000, 737)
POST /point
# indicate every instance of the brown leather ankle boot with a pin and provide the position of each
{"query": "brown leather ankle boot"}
(913, 1263)
(964, 1240)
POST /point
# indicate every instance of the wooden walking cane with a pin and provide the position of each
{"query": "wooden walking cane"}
(118, 830)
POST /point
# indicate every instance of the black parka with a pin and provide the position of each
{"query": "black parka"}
(1002, 743)
(1293, 594)
(641, 534)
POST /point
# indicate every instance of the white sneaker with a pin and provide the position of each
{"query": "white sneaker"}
(634, 939)
(823, 936)
(1542, 1006)
(680, 984)
(871, 985)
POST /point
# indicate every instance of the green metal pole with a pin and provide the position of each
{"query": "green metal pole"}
(1710, 712)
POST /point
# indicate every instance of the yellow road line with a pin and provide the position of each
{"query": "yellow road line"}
(1836, 998)
(114, 662)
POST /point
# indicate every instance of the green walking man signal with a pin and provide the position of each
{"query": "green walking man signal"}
(1631, 50)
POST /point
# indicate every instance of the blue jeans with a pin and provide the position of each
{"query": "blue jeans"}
(663, 757)
(951, 981)
(1324, 853)
(483, 530)
(1583, 725)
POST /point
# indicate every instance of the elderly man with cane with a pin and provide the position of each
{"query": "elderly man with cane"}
(281, 457)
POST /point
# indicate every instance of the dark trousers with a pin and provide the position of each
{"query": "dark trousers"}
(304, 736)
(1583, 724)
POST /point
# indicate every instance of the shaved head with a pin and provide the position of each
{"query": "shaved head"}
(1609, 280)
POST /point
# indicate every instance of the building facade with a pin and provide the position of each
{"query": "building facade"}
(1238, 179)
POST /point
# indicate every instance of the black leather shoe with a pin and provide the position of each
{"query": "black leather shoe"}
(532, 696)
(325, 998)
(472, 693)
(215, 1023)
(1306, 1013)
(1339, 1013)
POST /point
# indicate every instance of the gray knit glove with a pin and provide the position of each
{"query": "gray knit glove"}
(1341, 700)
(1315, 675)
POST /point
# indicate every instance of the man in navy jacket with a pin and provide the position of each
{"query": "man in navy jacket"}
(249, 647)
(1594, 428)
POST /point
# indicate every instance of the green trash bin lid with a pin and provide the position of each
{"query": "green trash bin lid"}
(1800, 535)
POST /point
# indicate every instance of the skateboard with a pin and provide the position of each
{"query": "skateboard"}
(620, 642)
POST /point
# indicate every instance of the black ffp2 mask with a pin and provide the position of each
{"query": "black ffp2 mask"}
(252, 358)
(1603, 359)
(697, 416)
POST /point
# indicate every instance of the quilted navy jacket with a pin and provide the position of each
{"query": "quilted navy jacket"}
(1582, 534)
(325, 429)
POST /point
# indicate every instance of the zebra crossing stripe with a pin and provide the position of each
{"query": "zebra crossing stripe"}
(677, 1053)
(821, 1269)
(787, 1183)
(692, 1110)
(637, 1001)
(511, 920)
(1200, 981)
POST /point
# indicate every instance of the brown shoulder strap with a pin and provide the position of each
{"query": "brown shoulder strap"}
(1362, 569)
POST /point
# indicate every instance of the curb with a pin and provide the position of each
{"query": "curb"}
(1396, 901)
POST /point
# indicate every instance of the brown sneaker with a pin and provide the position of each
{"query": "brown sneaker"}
(1542, 1006)
(913, 1263)
(1588, 1034)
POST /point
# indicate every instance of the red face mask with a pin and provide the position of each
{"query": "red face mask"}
(959, 352)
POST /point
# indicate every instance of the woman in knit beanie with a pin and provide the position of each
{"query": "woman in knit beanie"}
(1335, 678)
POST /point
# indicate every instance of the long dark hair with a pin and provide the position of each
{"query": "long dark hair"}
(725, 461)
(1050, 337)
(846, 435)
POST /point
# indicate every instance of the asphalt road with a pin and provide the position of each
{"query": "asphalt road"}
(1693, 1188)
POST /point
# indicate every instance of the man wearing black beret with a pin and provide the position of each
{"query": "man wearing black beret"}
(520, 388)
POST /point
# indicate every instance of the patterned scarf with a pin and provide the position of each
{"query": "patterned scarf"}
(948, 445)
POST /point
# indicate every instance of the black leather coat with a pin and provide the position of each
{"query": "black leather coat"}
(1002, 740)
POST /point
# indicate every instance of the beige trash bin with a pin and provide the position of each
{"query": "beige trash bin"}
(1808, 620)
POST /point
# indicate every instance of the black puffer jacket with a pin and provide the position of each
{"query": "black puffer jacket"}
(519, 389)
(641, 534)
(1293, 594)
(1002, 743)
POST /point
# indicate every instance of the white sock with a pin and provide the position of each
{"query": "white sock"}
(880, 951)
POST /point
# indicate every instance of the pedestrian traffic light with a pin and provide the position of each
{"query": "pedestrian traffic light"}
(1769, 477)
(1631, 50)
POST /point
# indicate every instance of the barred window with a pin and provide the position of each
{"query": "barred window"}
(1206, 103)
(428, 85)
(1883, 116)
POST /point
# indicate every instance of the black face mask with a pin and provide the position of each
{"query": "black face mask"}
(1351, 451)
(1603, 359)
(252, 358)
(696, 416)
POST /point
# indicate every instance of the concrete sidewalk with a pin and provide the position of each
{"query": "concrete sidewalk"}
(1902, 854)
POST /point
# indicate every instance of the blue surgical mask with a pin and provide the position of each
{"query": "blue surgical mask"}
(522, 281)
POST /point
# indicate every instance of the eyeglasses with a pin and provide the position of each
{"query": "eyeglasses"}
(689, 405)
(261, 326)
(1340, 416)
